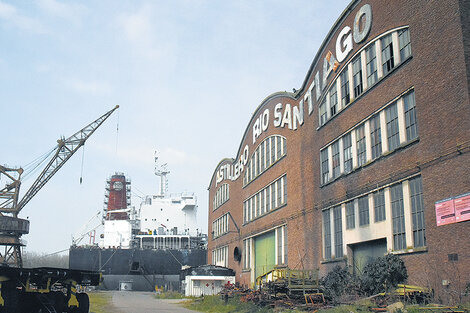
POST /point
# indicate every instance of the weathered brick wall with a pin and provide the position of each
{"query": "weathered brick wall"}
(439, 72)
(465, 22)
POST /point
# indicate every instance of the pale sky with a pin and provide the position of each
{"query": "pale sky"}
(187, 74)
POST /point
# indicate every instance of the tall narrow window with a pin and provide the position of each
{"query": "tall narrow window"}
(268, 198)
(285, 243)
(338, 231)
(361, 145)
(391, 115)
(379, 206)
(327, 234)
(279, 147)
(263, 207)
(333, 100)
(322, 112)
(284, 188)
(398, 217)
(388, 62)
(357, 76)
(273, 196)
(279, 245)
(371, 65)
(262, 158)
(350, 215)
(279, 193)
(417, 212)
(375, 137)
(404, 44)
(257, 162)
(345, 95)
(336, 159)
(410, 116)
(363, 203)
(347, 153)
(325, 174)
(245, 215)
(268, 153)
(273, 149)
(247, 253)
(253, 175)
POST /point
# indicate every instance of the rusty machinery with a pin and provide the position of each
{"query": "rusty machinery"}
(38, 289)
(11, 226)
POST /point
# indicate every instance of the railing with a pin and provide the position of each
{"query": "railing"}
(292, 279)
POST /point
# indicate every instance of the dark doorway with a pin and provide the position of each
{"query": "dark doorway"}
(365, 252)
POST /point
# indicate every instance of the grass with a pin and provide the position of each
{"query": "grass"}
(345, 309)
(169, 295)
(215, 304)
(100, 302)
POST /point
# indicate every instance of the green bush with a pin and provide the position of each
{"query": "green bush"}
(383, 274)
(336, 283)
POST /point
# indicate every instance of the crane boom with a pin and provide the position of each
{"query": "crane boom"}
(65, 149)
(12, 227)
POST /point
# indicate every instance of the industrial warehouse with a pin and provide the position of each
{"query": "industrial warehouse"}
(370, 156)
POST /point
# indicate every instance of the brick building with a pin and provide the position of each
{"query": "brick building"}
(370, 156)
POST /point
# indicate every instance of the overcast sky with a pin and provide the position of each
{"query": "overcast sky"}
(187, 74)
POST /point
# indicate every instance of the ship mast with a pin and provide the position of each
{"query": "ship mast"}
(161, 171)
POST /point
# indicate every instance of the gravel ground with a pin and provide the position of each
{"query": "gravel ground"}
(144, 302)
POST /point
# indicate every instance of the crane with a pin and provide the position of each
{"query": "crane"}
(12, 227)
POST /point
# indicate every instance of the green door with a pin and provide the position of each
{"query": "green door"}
(264, 253)
(366, 252)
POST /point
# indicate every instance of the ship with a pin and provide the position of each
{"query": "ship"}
(146, 247)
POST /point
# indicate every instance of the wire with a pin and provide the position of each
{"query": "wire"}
(117, 131)
(108, 259)
(32, 167)
(83, 157)
(40, 157)
(135, 188)
(57, 252)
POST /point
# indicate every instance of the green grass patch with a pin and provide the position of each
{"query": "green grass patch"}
(100, 302)
(169, 295)
(215, 304)
(342, 309)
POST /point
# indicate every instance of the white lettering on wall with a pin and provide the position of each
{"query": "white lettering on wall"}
(366, 11)
(344, 47)
(233, 171)
(287, 119)
(298, 115)
(291, 116)
(277, 115)
(261, 124)
(329, 64)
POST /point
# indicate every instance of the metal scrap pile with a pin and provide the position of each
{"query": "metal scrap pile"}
(290, 289)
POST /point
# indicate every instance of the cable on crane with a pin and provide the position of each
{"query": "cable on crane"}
(81, 171)
(33, 166)
(117, 131)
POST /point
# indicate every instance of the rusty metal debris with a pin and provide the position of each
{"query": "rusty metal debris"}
(282, 288)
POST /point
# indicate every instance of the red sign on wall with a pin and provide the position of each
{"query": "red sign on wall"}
(445, 212)
(462, 208)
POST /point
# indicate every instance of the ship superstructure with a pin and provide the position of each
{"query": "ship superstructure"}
(120, 219)
(149, 244)
(163, 221)
(169, 222)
